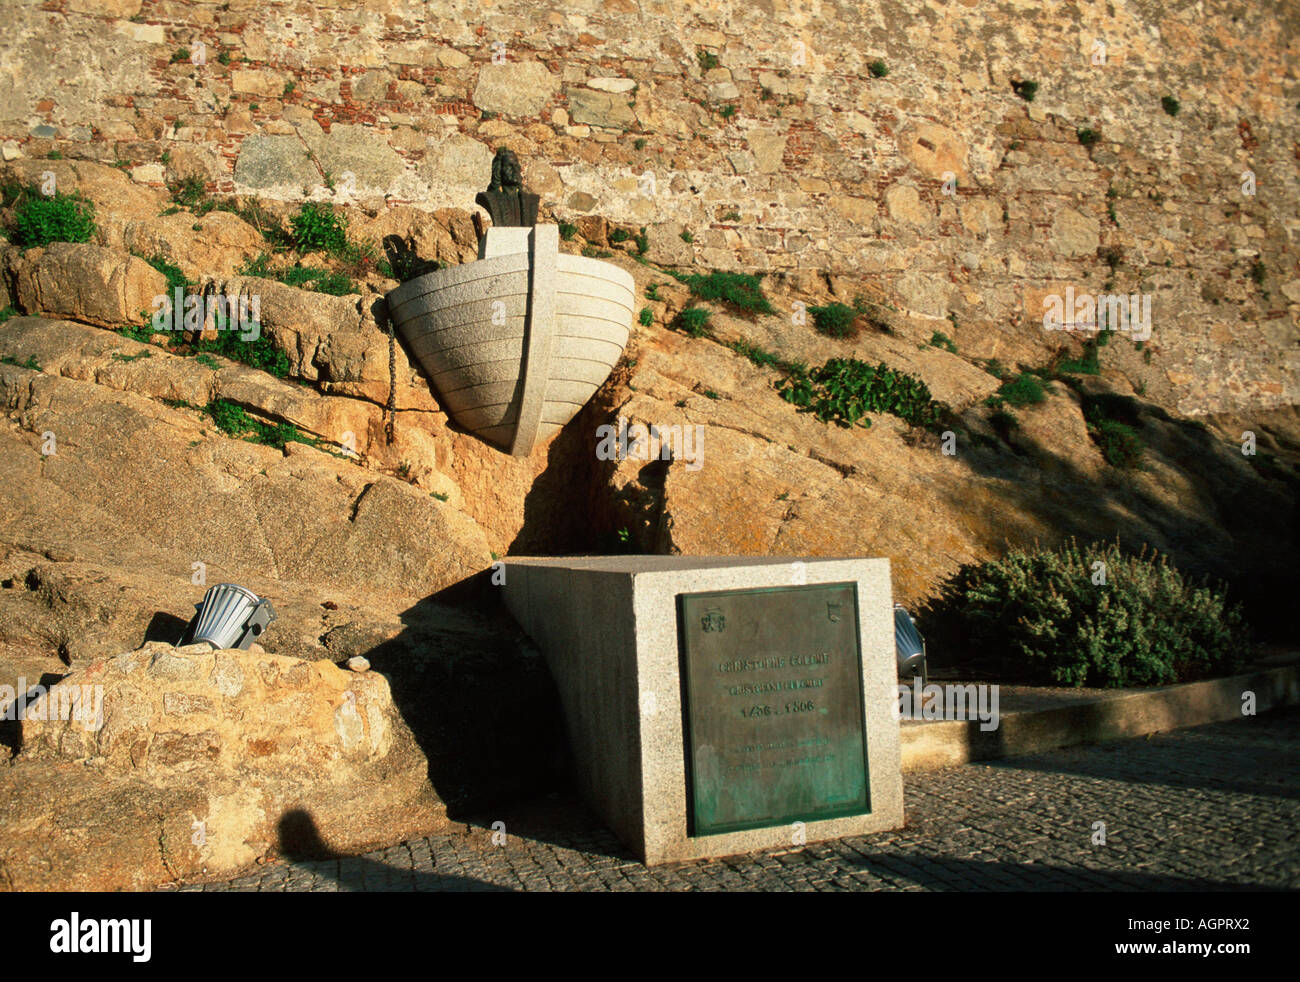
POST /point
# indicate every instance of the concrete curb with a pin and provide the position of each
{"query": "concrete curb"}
(948, 743)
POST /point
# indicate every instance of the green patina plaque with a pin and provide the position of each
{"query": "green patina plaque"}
(772, 685)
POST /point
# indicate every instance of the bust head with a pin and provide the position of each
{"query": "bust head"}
(505, 199)
(506, 172)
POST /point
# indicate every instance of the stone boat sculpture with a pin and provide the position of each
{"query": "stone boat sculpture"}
(518, 341)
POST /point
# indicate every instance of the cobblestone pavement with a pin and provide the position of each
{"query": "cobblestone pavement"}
(1212, 807)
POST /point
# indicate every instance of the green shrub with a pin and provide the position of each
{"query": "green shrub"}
(318, 227)
(7, 313)
(1086, 364)
(619, 235)
(232, 420)
(1026, 90)
(1087, 136)
(767, 359)
(743, 291)
(304, 277)
(878, 69)
(834, 320)
(40, 220)
(693, 321)
(1170, 105)
(568, 230)
(646, 317)
(1025, 389)
(707, 59)
(1037, 616)
(844, 390)
(940, 340)
(175, 278)
(31, 363)
(1119, 442)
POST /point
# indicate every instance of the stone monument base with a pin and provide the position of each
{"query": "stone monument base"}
(718, 705)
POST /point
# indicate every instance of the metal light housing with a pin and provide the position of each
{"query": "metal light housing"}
(910, 645)
(229, 617)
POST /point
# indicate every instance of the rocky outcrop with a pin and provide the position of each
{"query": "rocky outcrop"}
(85, 282)
(205, 760)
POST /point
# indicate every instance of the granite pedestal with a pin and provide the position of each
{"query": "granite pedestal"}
(715, 705)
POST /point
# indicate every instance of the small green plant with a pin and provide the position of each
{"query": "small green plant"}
(652, 291)
(646, 317)
(175, 278)
(727, 111)
(619, 235)
(1170, 105)
(710, 394)
(31, 364)
(440, 495)
(118, 356)
(318, 227)
(1258, 272)
(39, 220)
(844, 390)
(1040, 616)
(7, 313)
(591, 252)
(223, 57)
(54, 155)
(207, 361)
(179, 55)
(693, 321)
(687, 237)
(707, 59)
(1088, 137)
(731, 216)
(834, 320)
(288, 89)
(639, 143)
(1119, 443)
(994, 368)
(940, 340)
(1025, 89)
(878, 69)
(1024, 390)
(743, 291)
(231, 419)
(567, 231)
(642, 242)
(1087, 363)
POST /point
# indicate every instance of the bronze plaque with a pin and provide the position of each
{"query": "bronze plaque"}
(772, 685)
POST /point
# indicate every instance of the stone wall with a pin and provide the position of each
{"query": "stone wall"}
(753, 134)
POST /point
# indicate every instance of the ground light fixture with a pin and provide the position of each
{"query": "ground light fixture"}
(229, 617)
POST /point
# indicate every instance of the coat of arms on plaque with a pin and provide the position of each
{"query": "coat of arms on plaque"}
(833, 611)
(713, 619)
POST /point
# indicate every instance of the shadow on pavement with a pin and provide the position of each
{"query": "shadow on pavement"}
(302, 846)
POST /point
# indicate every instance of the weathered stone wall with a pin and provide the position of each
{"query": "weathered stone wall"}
(786, 155)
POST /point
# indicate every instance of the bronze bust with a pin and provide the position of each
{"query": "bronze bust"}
(505, 199)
